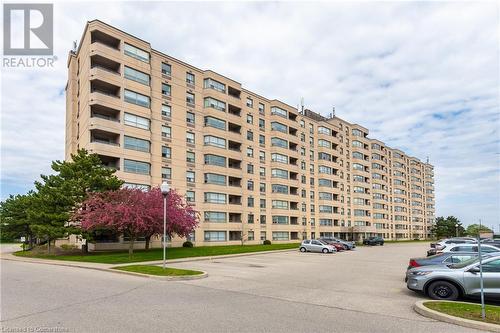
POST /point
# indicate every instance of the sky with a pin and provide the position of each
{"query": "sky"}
(421, 76)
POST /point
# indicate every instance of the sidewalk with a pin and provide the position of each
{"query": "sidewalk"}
(107, 267)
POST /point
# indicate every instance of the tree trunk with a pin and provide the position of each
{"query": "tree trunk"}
(131, 246)
(148, 241)
(48, 246)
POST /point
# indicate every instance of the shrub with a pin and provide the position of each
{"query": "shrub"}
(187, 244)
(267, 242)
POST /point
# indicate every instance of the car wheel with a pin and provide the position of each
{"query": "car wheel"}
(303, 249)
(325, 251)
(443, 290)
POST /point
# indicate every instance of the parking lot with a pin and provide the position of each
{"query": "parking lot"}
(355, 291)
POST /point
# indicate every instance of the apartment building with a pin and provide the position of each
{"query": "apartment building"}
(253, 167)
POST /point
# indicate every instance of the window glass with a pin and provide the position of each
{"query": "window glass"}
(137, 76)
(135, 52)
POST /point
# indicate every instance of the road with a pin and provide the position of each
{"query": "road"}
(358, 291)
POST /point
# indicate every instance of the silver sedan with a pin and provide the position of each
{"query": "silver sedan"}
(449, 282)
(314, 245)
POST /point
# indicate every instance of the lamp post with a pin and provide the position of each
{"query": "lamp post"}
(165, 188)
(456, 229)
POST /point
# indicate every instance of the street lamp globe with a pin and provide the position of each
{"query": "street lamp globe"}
(165, 188)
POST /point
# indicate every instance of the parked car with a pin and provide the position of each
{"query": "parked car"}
(338, 246)
(313, 245)
(449, 282)
(486, 248)
(441, 244)
(441, 259)
(374, 240)
(347, 245)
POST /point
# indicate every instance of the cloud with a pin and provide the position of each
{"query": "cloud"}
(423, 77)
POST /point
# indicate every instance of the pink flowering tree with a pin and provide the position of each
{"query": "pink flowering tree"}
(134, 213)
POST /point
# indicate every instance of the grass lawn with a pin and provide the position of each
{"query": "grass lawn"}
(467, 310)
(122, 257)
(157, 270)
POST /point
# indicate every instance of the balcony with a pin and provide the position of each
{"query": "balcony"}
(235, 217)
(233, 145)
(234, 164)
(234, 199)
(103, 112)
(105, 137)
(292, 131)
(100, 37)
(234, 110)
(234, 128)
(233, 92)
(108, 65)
(105, 88)
(234, 181)
(110, 162)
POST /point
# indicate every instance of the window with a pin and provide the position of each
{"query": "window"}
(275, 157)
(136, 76)
(190, 137)
(190, 157)
(279, 173)
(136, 53)
(190, 196)
(166, 131)
(190, 118)
(215, 236)
(250, 135)
(216, 217)
(275, 126)
(251, 236)
(136, 121)
(492, 266)
(166, 110)
(213, 178)
(136, 144)
(357, 132)
(210, 140)
(324, 130)
(262, 108)
(249, 119)
(277, 142)
(357, 155)
(250, 168)
(262, 171)
(325, 209)
(357, 166)
(215, 122)
(250, 202)
(262, 124)
(325, 196)
(325, 169)
(132, 166)
(166, 89)
(166, 152)
(212, 197)
(190, 176)
(250, 185)
(166, 173)
(324, 143)
(279, 204)
(262, 139)
(189, 78)
(262, 234)
(215, 160)
(136, 98)
(262, 203)
(249, 102)
(279, 112)
(210, 102)
(190, 98)
(280, 236)
(262, 188)
(166, 69)
(277, 219)
(142, 187)
(216, 85)
(356, 143)
(249, 152)
(277, 188)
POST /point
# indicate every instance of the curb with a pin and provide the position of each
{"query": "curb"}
(163, 278)
(421, 309)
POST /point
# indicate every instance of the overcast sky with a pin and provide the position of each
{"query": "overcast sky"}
(423, 77)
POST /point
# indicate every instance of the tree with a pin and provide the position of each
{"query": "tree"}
(15, 222)
(445, 228)
(134, 213)
(474, 230)
(58, 194)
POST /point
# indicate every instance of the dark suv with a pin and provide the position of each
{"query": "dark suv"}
(373, 241)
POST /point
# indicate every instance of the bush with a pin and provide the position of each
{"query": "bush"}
(267, 242)
(187, 244)
(68, 247)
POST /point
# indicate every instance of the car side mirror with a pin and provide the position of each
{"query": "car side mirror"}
(474, 270)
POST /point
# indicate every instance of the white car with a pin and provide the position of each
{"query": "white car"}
(314, 245)
(485, 248)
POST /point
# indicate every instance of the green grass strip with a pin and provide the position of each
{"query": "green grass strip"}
(157, 270)
(466, 310)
